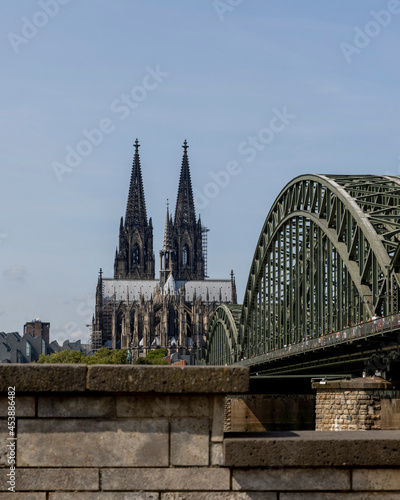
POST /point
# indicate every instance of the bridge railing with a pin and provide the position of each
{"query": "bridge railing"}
(362, 330)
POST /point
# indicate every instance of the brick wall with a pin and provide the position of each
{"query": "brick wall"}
(359, 404)
(156, 432)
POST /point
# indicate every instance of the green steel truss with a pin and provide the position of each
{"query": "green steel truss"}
(225, 319)
(328, 257)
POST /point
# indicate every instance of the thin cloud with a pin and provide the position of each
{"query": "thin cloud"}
(16, 273)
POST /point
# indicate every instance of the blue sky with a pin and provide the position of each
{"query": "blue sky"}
(262, 90)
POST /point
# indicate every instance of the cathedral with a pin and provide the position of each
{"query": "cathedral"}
(136, 311)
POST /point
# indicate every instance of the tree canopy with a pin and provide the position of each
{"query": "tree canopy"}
(154, 357)
(103, 356)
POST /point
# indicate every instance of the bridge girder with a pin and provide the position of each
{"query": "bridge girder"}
(221, 323)
(328, 255)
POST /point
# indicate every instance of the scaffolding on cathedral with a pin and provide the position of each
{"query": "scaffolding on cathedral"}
(95, 340)
(204, 231)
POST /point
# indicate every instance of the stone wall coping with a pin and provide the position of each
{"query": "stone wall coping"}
(314, 449)
(360, 383)
(124, 378)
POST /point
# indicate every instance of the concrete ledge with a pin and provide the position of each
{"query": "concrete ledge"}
(360, 383)
(33, 378)
(314, 449)
(168, 379)
(43, 378)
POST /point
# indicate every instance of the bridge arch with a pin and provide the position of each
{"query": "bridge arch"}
(223, 347)
(327, 256)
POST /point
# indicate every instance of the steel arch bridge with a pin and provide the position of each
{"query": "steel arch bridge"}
(327, 260)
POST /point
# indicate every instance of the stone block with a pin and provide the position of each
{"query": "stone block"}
(315, 449)
(3, 443)
(168, 379)
(43, 377)
(217, 431)
(390, 413)
(339, 496)
(190, 441)
(166, 479)
(217, 454)
(24, 406)
(76, 406)
(103, 495)
(376, 479)
(167, 406)
(290, 479)
(53, 479)
(23, 496)
(231, 495)
(360, 385)
(89, 443)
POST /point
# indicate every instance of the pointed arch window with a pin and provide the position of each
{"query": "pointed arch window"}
(185, 256)
(136, 255)
(166, 263)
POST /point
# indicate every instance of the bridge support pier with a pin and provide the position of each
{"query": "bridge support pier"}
(368, 403)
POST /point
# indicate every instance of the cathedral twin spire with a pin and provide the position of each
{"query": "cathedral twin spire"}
(182, 245)
(184, 210)
(182, 252)
(135, 258)
(136, 207)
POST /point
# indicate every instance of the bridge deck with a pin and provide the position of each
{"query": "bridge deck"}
(352, 345)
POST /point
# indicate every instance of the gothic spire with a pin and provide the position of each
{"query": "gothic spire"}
(167, 244)
(136, 215)
(184, 210)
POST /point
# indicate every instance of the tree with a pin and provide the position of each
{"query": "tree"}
(65, 356)
(106, 356)
(155, 357)
(157, 353)
(103, 356)
(143, 361)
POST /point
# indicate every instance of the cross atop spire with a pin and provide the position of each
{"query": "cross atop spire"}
(185, 147)
(136, 215)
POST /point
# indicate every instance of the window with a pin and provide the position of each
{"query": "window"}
(136, 255)
(27, 349)
(185, 256)
(166, 262)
